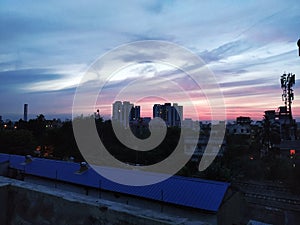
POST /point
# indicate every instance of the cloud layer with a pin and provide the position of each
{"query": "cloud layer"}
(46, 48)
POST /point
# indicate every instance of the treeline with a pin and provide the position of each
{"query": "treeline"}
(55, 139)
(39, 137)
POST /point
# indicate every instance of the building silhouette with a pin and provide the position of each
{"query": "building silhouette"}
(135, 113)
(172, 115)
(242, 126)
(124, 112)
(25, 112)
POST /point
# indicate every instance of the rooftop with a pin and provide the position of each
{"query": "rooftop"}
(190, 192)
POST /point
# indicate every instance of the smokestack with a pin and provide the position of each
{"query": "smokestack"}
(25, 112)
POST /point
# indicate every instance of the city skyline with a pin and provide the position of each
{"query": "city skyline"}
(46, 48)
(126, 112)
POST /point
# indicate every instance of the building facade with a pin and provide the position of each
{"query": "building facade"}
(241, 126)
(124, 112)
(172, 115)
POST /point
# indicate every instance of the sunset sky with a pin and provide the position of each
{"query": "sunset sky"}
(46, 48)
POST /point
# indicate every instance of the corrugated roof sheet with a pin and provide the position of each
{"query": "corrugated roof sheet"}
(4, 158)
(191, 192)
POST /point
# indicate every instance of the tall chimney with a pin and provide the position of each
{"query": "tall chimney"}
(25, 112)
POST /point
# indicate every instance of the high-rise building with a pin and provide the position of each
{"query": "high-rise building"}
(117, 111)
(172, 115)
(135, 113)
(157, 110)
(177, 114)
(126, 109)
(124, 112)
(25, 112)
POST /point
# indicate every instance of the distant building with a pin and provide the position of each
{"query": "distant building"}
(54, 123)
(124, 112)
(188, 123)
(288, 126)
(135, 113)
(172, 115)
(216, 149)
(25, 112)
(116, 110)
(243, 120)
(242, 125)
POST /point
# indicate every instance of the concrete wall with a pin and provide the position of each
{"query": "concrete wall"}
(232, 211)
(26, 204)
(3, 203)
(157, 207)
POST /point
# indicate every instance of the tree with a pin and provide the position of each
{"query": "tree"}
(20, 142)
(63, 142)
(270, 135)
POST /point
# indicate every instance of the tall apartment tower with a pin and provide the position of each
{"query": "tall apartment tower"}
(172, 115)
(124, 112)
(135, 113)
(177, 114)
(25, 112)
(157, 110)
(117, 111)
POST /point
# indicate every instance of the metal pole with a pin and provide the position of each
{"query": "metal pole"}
(298, 43)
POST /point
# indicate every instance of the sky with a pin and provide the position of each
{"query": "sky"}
(46, 48)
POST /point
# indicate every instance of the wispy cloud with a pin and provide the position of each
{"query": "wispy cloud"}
(46, 47)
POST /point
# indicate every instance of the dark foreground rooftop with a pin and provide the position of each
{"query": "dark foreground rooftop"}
(25, 203)
(195, 193)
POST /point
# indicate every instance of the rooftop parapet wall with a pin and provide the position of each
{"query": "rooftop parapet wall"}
(26, 203)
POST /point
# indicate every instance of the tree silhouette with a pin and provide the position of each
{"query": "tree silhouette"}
(270, 135)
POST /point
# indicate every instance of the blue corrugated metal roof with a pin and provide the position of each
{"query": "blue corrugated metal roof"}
(4, 158)
(191, 192)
